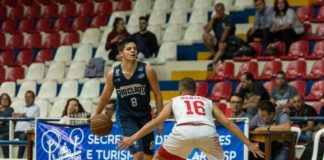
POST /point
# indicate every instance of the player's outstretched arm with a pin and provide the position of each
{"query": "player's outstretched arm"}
(106, 94)
(147, 128)
(221, 118)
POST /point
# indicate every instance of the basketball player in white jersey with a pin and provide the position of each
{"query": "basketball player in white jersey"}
(195, 127)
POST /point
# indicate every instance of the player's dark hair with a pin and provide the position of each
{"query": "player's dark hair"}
(281, 73)
(249, 76)
(122, 44)
(81, 109)
(266, 106)
(188, 84)
(143, 18)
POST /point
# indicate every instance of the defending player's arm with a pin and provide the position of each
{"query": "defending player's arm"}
(107, 92)
(147, 128)
(153, 80)
(220, 117)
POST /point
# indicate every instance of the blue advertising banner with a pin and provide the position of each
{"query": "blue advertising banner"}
(61, 142)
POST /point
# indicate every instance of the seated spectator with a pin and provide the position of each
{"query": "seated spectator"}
(236, 104)
(270, 119)
(301, 109)
(262, 23)
(30, 110)
(118, 34)
(281, 95)
(223, 27)
(286, 25)
(5, 111)
(252, 93)
(73, 109)
(146, 41)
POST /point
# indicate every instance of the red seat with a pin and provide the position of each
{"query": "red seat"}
(124, 5)
(270, 69)
(44, 55)
(281, 49)
(202, 89)
(318, 51)
(2, 74)
(223, 71)
(8, 26)
(318, 106)
(221, 90)
(296, 50)
(44, 2)
(222, 107)
(16, 73)
(300, 86)
(70, 38)
(99, 21)
(269, 86)
(7, 58)
(16, 41)
(3, 12)
(63, 1)
(33, 11)
(51, 11)
(17, 12)
(25, 25)
(320, 15)
(9, 2)
(34, 40)
(80, 23)
(68, 10)
(257, 47)
(319, 35)
(317, 70)
(105, 8)
(316, 92)
(296, 69)
(61, 24)
(86, 9)
(43, 25)
(26, 2)
(25, 57)
(305, 13)
(250, 66)
(2, 41)
(52, 40)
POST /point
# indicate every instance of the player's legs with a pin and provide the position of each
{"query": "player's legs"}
(148, 140)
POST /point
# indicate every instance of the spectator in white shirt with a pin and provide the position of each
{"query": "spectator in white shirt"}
(30, 110)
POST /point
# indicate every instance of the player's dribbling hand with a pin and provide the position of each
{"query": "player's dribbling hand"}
(160, 129)
(125, 143)
(255, 151)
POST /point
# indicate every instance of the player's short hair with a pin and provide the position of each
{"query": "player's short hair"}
(266, 106)
(188, 84)
(122, 44)
(143, 18)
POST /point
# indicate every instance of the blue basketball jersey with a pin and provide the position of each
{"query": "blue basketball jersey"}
(133, 95)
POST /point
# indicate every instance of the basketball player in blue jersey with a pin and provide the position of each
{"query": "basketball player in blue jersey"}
(133, 81)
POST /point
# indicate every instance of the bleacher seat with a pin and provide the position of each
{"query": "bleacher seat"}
(16, 12)
(26, 2)
(305, 13)
(91, 89)
(202, 89)
(320, 15)
(178, 16)
(44, 55)
(16, 73)
(87, 105)
(9, 88)
(105, 8)
(202, 4)
(16, 41)
(221, 106)
(296, 69)
(124, 5)
(25, 25)
(91, 36)
(162, 5)
(56, 71)
(52, 40)
(18, 103)
(62, 24)
(2, 74)
(48, 90)
(69, 89)
(173, 33)
(221, 90)
(83, 53)
(319, 35)
(8, 26)
(101, 52)
(296, 50)
(3, 12)
(33, 40)
(168, 50)
(243, 4)
(257, 47)
(33, 11)
(318, 106)
(86, 9)
(300, 85)
(68, 10)
(157, 17)
(35, 71)
(76, 71)
(250, 66)
(270, 69)
(80, 23)
(134, 18)
(43, 107)
(199, 16)
(317, 70)
(223, 71)
(51, 11)
(7, 57)
(25, 86)
(99, 21)
(25, 57)
(193, 33)
(316, 92)
(9, 2)
(70, 38)
(57, 108)
(269, 86)
(281, 49)
(182, 4)
(43, 25)
(318, 51)
(63, 54)
(2, 41)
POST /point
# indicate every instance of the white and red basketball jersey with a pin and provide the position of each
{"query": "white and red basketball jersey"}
(193, 109)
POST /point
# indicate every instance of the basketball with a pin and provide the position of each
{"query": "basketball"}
(101, 124)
